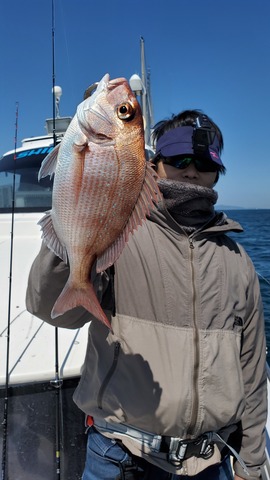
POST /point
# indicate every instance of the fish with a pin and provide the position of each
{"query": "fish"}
(103, 190)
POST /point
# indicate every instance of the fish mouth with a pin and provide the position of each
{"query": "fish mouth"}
(106, 83)
(102, 131)
(96, 89)
(92, 105)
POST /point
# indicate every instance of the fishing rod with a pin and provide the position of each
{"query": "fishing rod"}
(56, 382)
(5, 417)
(263, 278)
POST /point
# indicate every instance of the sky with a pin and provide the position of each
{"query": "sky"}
(213, 55)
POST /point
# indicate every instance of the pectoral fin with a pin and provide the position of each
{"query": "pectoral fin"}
(49, 164)
(50, 237)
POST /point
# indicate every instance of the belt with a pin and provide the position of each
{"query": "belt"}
(176, 448)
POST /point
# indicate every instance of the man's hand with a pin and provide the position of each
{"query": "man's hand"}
(238, 478)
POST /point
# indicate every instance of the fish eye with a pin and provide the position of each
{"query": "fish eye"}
(125, 111)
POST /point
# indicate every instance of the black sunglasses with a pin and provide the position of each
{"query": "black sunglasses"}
(202, 165)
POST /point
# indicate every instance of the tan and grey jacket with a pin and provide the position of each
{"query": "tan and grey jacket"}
(187, 351)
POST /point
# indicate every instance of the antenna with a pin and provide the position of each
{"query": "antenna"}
(146, 100)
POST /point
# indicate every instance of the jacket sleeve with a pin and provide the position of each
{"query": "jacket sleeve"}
(47, 278)
(253, 361)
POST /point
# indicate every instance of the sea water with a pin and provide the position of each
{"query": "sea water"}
(256, 241)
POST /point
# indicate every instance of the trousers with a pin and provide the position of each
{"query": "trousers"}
(106, 459)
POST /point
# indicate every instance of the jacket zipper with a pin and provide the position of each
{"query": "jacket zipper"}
(109, 374)
(195, 404)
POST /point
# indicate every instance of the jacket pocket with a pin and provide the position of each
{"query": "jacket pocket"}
(222, 387)
(109, 375)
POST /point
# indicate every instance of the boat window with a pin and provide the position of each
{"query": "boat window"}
(30, 195)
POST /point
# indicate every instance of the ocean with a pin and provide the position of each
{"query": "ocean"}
(256, 241)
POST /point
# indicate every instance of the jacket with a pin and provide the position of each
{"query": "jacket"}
(186, 354)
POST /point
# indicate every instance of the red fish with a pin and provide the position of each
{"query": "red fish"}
(103, 190)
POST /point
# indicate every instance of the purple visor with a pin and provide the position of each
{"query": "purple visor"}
(178, 141)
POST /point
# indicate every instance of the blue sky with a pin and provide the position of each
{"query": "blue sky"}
(208, 54)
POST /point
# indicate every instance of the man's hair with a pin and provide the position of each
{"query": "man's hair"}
(187, 118)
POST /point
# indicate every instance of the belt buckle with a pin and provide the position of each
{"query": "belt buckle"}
(175, 456)
(183, 449)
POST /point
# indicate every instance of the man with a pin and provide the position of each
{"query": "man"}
(179, 384)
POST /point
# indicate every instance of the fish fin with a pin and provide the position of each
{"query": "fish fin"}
(149, 196)
(86, 297)
(48, 165)
(50, 237)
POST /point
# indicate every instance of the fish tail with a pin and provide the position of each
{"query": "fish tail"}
(71, 297)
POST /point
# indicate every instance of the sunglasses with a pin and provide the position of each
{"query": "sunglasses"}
(202, 165)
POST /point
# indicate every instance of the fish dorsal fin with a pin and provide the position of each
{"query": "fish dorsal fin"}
(49, 163)
(149, 196)
(50, 238)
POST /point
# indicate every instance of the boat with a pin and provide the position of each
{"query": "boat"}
(40, 365)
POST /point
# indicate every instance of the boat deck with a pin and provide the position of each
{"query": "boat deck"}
(31, 341)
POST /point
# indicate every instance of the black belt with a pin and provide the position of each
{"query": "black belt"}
(176, 448)
(179, 450)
